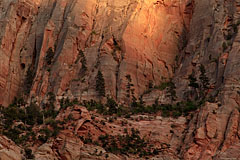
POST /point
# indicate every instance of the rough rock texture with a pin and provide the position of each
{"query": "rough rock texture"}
(129, 37)
(16, 21)
(163, 133)
(8, 150)
(68, 145)
(149, 40)
(213, 42)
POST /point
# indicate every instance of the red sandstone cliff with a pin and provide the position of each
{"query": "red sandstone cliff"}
(133, 38)
(151, 41)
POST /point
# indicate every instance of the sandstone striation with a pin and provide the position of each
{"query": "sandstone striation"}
(130, 37)
(8, 150)
(213, 44)
(59, 47)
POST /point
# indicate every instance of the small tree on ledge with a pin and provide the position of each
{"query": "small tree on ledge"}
(100, 84)
(49, 56)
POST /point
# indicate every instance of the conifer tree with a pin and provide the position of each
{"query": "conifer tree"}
(49, 56)
(100, 84)
(203, 78)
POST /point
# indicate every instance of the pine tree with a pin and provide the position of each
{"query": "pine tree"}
(29, 80)
(203, 78)
(204, 81)
(49, 56)
(171, 90)
(83, 61)
(193, 81)
(100, 84)
(129, 86)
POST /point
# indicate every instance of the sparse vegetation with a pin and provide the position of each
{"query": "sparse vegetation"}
(49, 56)
(129, 89)
(65, 102)
(84, 62)
(203, 78)
(28, 153)
(49, 107)
(193, 81)
(26, 118)
(17, 121)
(162, 86)
(112, 106)
(117, 47)
(171, 90)
(139, 107)
(100, 84)
(200, 85)
(130, 143)
(169, 86)
(93, 32)
(29, 80)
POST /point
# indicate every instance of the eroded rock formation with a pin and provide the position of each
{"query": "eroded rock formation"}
(60, 46)
(140, 39)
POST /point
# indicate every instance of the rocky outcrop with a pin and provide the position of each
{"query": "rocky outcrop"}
(16, 22)
(131, 37)
(59, 46)
(163, 133)
(8, 150)
(213, 43)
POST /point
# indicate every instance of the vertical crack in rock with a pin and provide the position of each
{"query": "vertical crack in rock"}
(152, 41)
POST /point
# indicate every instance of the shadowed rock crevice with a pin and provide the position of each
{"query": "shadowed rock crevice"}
(171, 53)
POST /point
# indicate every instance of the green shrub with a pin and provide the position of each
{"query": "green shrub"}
(171, 90)
(188, 107)
(100, 84)
(46, 134)
(33, 116)
(203, 78)
(130, 143)
(28, 153)
(162, 86)
(176, 114)
(112, 106)
(170, 87)
(49, 56)
(130, 90)
(13, 134)
(84, 62)
(193, 81)
(29, 80)
(64, 103)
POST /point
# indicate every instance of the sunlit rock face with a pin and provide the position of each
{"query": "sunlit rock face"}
(16, 22)
(133, 43)
(119, 38)
(151, 42)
